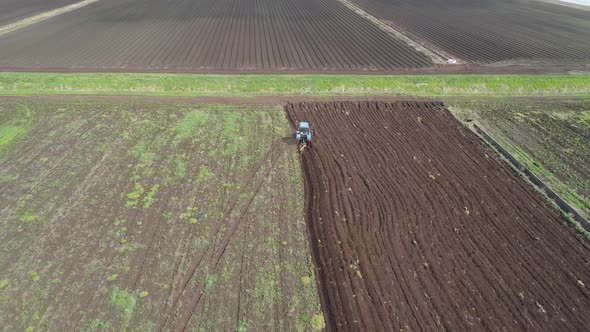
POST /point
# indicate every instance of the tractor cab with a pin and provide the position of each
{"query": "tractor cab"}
(303, 133)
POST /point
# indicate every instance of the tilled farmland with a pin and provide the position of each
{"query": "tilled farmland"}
(145, 215)
(416, 225)
(311, 36)
(492, 31)
(208, 35)
(14, 10)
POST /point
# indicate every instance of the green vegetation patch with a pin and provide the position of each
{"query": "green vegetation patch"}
(293, 85)
(193, 121)
(125, 302)
(134, 196)
(8, 133)
(15, 121)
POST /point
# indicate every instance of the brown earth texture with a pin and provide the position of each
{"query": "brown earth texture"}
(416, 225)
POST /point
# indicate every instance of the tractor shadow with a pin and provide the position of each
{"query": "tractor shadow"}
(289, 140)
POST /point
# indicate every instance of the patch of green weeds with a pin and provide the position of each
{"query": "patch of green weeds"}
(210, 281)
(243, 326)
(3, 283)
(149, 199)
(190, 123)
(112, 277)
(189, 215)
(120, 234)
(266, 288)
(231, 132)
(204, 173)
(144, 159)
(143, 294)
(24, 314)
(8, 133)
(133, 197)
(6, 178)
(180, 169)
(167, 215)
(96, 325)
(104, 147)
(306, 280)
(125, 302)
(245, 161)
(34, 276)
(317, 322)
(29, 217)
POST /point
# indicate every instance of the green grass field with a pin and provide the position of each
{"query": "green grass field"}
(294, 85)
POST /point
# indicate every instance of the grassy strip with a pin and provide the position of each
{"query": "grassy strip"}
(543, 159)
(551, 181)
(293, 85)
(563, 190)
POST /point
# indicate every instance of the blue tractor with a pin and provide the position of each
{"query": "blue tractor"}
(303, 135)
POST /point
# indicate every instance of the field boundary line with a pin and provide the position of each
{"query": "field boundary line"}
(565, 207)
(43, 16)
(435, 56)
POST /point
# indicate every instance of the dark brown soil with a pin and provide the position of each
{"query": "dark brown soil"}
(309, 36)
(415, 225)
(510, 31)
(208, 35)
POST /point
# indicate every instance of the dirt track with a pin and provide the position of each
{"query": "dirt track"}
(415, 225)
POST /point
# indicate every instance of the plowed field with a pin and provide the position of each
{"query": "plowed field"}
(208, 35)
(492, 31)
(14, 10)
(415, 225)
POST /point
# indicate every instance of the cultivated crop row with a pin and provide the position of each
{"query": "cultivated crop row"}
(492, 31)
(209, 35)
(14, 10)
